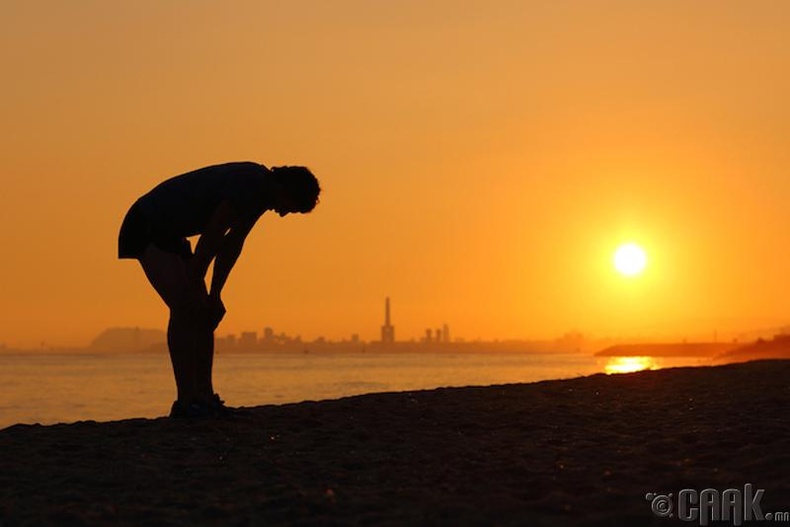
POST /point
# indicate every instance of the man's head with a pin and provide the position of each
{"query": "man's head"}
(297, 190)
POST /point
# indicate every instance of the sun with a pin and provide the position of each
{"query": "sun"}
(630, 259)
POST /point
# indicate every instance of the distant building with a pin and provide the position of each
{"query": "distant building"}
(248, 341)
(268, 337)
(445, 333)
(225, 344)
(387, 330)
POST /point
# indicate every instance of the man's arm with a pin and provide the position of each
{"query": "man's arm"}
(221, 241)
(229, 252)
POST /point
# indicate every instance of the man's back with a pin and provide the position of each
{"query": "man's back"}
(181, 206)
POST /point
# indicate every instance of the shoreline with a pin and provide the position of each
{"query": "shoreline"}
(581, 451)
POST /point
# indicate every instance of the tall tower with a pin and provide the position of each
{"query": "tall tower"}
(387, 330)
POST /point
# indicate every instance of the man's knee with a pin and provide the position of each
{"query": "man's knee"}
(191, 315)
(179, 313)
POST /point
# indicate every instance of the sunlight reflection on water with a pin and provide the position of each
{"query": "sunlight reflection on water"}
(623, 364)
(630, 364)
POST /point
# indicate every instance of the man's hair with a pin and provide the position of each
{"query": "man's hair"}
(300, 184)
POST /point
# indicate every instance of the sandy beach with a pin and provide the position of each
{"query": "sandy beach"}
(584, 451)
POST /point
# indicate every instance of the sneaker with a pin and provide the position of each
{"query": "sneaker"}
(182, 410)
(219, 408)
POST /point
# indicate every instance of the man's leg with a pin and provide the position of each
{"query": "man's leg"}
(181, 344)
(167, 273)
(204, 355)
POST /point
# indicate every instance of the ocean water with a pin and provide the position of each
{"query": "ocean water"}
(47, 389)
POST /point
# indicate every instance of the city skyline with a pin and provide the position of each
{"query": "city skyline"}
(136, 338)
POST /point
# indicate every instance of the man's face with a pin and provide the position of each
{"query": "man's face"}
(285, 205)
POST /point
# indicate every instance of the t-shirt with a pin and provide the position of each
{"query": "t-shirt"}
(182, 206)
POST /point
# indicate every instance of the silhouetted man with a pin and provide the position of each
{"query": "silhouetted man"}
(220, 203)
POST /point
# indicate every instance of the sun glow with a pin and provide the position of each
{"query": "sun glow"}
(629, 364)
(630, 259)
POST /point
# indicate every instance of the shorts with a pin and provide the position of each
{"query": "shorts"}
(137, 231)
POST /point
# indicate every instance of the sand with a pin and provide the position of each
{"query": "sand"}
(583, 451)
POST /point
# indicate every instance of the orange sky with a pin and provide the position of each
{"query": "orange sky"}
(479, 164)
